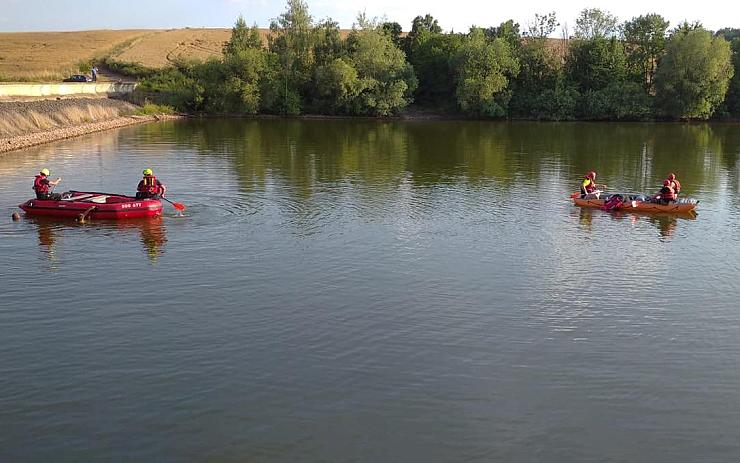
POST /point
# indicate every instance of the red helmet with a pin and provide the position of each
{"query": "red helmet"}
(671, 176)
(666, 183)
(591, 175)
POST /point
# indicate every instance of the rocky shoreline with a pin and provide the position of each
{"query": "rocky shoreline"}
(26, 141)
(29, 123)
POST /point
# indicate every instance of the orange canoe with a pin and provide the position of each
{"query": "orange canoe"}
(682, 206)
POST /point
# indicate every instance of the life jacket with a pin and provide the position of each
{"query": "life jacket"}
(148, 185)
(613, 202)
(40, 187)
(676, 186)
(588, 186)
(667, 194)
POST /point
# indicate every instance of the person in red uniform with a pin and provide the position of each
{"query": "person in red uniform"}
(675, 184)
(666, 194)
(42, 184)
(149, 186)
(589, 187)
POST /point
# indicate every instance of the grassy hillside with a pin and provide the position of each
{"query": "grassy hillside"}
(159, 48)
(50, 56)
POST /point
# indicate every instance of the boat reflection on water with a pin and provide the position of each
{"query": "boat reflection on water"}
(152, 233)
(666, 223)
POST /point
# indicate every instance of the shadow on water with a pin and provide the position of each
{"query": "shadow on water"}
(51, 231)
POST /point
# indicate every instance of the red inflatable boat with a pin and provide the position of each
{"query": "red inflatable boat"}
(94, 206)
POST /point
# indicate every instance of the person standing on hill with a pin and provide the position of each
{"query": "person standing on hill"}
(149, 186)
(42, 183)
(94, 74)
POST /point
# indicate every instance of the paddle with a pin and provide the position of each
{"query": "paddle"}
(179, 206)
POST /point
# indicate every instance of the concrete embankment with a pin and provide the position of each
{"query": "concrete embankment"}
(29, 123)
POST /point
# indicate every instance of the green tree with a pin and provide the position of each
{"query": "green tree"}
(242, 37)
(645, 38)
(420, 26)
(595, 63)
(433, 63)
(593, 23)
(693, 77)
(393, 29)
(387, 81)
(338, 87)
(292, 39)
(483, 72)
(507, 30)
(731, 105)
(541, 90)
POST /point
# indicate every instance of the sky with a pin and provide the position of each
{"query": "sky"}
(457, 15)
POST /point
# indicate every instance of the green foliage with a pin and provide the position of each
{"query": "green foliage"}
(394, 30)
(556, 104)
(616, 101)
(338, 86)
(594, 23)
(694, 75)
(387, 81)
(130, 69)
(433, 62)
(174, 86)
(593, 64)
(484, 69)
(150, 109)
(420, 26)
(509, 31)
(731, 105)
(242, 37)
(645, 40)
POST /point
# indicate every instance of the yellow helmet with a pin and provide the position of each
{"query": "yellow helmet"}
(45, 171)
(148, 172)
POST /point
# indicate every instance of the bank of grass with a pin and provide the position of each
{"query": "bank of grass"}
(151, 109)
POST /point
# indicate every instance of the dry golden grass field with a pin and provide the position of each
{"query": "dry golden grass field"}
(160, 48)
(50, 56)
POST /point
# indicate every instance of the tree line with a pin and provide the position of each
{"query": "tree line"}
(636, 70)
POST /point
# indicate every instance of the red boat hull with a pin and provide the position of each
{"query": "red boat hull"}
(100, 206)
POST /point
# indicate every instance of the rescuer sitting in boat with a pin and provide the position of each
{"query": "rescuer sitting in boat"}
(150, 187)
(42, 184)
(666, 194)
(589, 187)
(675, 184)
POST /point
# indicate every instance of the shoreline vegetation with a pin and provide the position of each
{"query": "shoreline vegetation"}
(636, 70)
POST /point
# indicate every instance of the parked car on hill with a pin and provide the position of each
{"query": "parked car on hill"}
(77, 78)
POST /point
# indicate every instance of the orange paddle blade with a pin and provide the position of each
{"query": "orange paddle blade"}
(179, 206)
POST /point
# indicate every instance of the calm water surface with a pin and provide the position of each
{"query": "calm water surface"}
(375, 291)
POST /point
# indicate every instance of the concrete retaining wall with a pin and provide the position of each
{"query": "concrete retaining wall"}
(71, 88)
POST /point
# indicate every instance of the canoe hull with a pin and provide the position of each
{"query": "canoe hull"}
(104, 206)
(641, 206)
